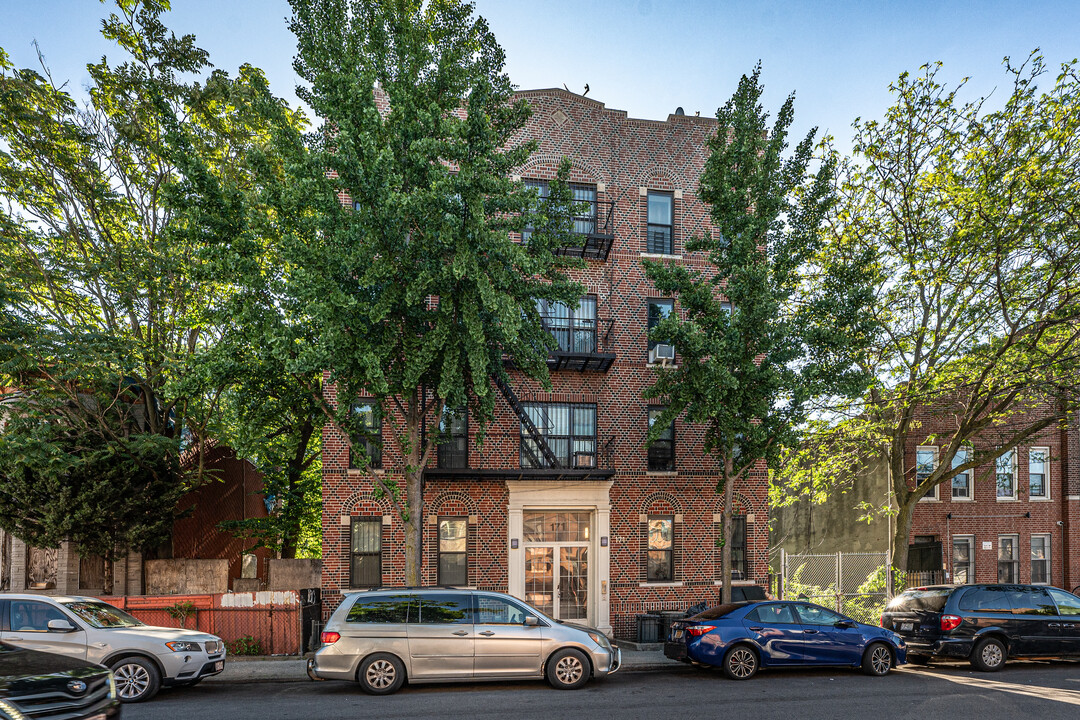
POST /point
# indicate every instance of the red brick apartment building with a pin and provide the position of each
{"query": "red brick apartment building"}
(1016, 520)
(562, 504)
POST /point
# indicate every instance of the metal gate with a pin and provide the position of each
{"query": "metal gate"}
(855, 584)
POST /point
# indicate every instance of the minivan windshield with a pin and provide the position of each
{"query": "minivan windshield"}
(929, 600)
(101, 615)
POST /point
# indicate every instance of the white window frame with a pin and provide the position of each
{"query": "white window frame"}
(1046, 474)
(970, 540)
(931, 496)
(1049, 556)
(967, 453)
(1012, 460)
(1015, 556)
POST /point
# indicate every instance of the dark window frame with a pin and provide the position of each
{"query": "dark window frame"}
(354, 582)
(658, 461)
(649, 550)
(569, 459)
(653, 319)
(444, 553)
(452, 450)
(659, 237)
(584, 225)
(370, 436)
(577, 324)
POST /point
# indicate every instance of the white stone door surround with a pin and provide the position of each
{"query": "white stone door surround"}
(590, 495)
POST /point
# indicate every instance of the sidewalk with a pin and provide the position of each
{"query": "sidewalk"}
(293, 669)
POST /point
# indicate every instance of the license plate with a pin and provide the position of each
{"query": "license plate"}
(219, 665)
(907, 626)
(677, 634)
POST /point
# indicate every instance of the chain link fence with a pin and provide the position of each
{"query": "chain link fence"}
(855, 584)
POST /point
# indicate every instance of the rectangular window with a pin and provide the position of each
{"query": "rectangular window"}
(658, 310)
(541, 188)
(569, 430)
(453, 447)
(1040, 559)
(573, 329)
(925, 464)
(659, 558)
(368, 439)
(365, 569)
(963, 559)
(961, 482)
(453, 551)
(1006, 475)
(584, 198)
(662, 451)
(1008, 563)
(739, 569)
(660, 238)
(1039, 472)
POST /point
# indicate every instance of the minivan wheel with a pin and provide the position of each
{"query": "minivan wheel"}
(137, 679)
(740, 663)
(568, 669)
(381, 674)
(877, 660)
(989, 655)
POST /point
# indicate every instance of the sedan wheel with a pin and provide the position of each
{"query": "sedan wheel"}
(136, 679)
(877, 660)
(740, 663)
(381, 674)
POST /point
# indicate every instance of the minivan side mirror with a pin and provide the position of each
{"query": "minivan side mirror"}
(59, 625)
(531, 621)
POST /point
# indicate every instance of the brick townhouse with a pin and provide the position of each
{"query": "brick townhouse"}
(562, 504)
(1014, 520)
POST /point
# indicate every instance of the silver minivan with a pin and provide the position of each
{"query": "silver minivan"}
(381, 638)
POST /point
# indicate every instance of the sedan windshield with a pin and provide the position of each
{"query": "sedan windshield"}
(102, 615)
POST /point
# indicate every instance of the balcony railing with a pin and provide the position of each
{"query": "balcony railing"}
(659, 240)
(595, 232)
(585, 344)
(505, 455)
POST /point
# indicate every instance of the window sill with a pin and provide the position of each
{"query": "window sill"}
(1039, 499)
(661, 473)
(673, 366)
(660, 584)
(1007, 499)
(929, 500)
(735, 583)
(956, 499)
(360, 473)
(660, 256)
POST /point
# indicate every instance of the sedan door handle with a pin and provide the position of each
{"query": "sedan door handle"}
(461, 633)
(756, 628)
(1054, 625)
(13, 637)
(810, 632)
(487, 633)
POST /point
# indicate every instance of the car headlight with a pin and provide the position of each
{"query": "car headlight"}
(8, 710)
(600, 640)
(112, 686)
(183, 646)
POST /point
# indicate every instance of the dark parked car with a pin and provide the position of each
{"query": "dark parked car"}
(986, 624)
(42, 685)
(741, 637)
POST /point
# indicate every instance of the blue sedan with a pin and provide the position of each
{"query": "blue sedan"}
(741, 638)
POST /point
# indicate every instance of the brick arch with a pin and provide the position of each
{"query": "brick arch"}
(740, 500)
(365, 496)
(454, 496)
(587, 169)
(661, 496)
(674, 177)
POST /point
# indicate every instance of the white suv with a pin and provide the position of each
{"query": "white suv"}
(142, 657)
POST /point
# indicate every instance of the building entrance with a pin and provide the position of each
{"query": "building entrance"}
(557, 562)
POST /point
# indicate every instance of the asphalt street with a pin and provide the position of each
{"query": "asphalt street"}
(1022, 690)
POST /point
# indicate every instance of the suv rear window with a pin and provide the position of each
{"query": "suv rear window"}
(931, 600)
(384, 609)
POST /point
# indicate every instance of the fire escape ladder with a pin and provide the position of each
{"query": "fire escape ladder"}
(529, 429)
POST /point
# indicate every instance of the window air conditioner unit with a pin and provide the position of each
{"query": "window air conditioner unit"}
(662, 354)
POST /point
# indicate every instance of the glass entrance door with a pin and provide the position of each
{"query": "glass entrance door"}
(557, 563)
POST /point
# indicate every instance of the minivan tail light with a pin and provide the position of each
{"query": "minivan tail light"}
(697, 630)
(329, 638)
(950, 622)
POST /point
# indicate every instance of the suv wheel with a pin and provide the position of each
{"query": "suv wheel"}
(989, 655)
(568, 669)
(137, 679)
(877, 660)
(381, 674)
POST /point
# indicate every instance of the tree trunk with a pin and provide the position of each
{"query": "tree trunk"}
(901, 535)
(291, 535)
(725, 553)
(414, 524)
(108, 583)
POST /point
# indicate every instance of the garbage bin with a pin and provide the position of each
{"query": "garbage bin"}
(666, 618)
(648, 629)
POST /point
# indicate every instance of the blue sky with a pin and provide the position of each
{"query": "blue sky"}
(643, 56)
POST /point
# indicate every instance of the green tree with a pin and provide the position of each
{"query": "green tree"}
(774, 320)
(416, 294)
(973, 216)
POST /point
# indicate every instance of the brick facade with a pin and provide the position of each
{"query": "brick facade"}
(985, 517)
(623, 158)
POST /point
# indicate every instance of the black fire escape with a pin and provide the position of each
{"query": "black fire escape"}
(595, 232)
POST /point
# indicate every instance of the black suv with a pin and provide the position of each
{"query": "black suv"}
(43, 685)
(985, 623)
